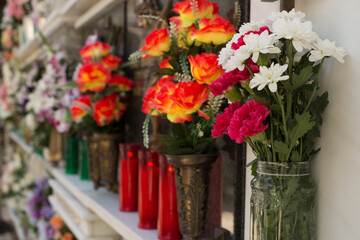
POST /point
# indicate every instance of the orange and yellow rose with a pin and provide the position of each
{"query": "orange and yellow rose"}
(111, 62)
(93, 77)
(186, 16)
(188, 99)
(218, 31)
(108, 109)
(205, 68)
(157, 43)
(123, 83)
(80, 108)
(56, 222)
(94, 51)
(177, 100)
(157, 98)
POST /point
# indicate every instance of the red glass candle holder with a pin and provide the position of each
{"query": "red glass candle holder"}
(129, 171)
(148, 189)
(168, 221)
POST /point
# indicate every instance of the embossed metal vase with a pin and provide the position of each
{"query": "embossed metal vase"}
(92, 145)
(192, 185)
(109, 159)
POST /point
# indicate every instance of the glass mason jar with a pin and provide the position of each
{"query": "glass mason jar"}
(282, 202)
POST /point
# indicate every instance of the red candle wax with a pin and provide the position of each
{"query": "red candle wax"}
(148, 189)
(128, 187)
(168, 221)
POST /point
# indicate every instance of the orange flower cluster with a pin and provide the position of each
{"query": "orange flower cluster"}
(108, 109)
(96, 74)
(157, 43)
(205, 68)
(217, 31)
(206, 26)
(95, 50)
(80, 108)
(177, 100)
(186, 18)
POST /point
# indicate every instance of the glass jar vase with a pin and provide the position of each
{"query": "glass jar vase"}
(283, 202)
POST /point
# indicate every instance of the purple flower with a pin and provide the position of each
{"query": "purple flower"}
(46, 212)
(50, 231)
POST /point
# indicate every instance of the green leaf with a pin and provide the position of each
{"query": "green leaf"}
(252, 162)
(301, 78)
(295, 156)
(304, 124)
(281, 147)
(166, 71)
(319, 104)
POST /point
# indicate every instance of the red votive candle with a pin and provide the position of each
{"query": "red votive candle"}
(168, 221)
(148, 189)
(129, 170)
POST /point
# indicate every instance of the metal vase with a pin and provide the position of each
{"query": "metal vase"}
(55, 146)
(109, 159)
(92, 145)
(192, 185)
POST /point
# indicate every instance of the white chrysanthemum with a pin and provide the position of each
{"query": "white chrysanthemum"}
(300, 33)
(256, 44)
(236, 61)
(286, 15)
(269, 77)
(246, 27)
(227, 51)
(325, 48)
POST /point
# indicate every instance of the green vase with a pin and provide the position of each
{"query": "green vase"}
(283, 202)
(84, 169)
(71, 156)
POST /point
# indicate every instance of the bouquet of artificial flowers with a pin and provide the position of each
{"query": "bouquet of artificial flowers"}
(103, 89)
(190, 44)
(271, 77)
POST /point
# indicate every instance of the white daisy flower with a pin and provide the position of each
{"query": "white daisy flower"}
(325, 48)
(247, 27)
(269, 77)
(300, 33)
(286, 15)
(236, 61)
(256, 44)
(227, 51)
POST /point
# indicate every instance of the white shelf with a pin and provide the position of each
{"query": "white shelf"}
(20, 141)
(102, 203)
(105, 205)
(75, 13)
(17, 225)
(95, 11)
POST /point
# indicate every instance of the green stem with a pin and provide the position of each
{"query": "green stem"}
(315, 87)
(272, 138)
(251, 73)
(45, 42)
(290, 71)
(283, 117)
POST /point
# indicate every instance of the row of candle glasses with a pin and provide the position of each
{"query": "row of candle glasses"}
(147, 185)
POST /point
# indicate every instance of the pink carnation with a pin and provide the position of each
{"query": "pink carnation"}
(225, 81)
(223, 120)
(240, 42)
(247, 121)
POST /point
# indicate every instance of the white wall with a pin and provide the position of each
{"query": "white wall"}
(337, 167)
